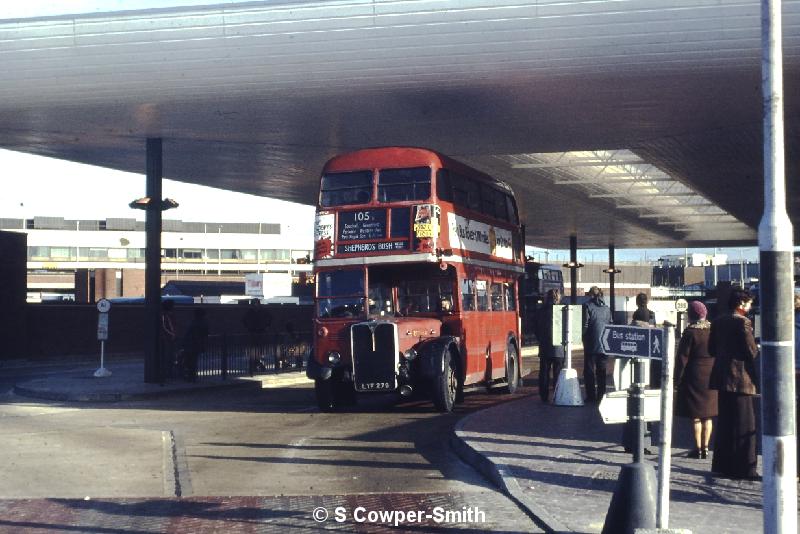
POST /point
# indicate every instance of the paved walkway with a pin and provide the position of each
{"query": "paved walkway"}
(561, 464)
(127, 383)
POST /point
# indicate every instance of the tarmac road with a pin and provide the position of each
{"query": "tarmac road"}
(236, 445)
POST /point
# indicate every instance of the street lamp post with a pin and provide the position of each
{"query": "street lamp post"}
(153, 205)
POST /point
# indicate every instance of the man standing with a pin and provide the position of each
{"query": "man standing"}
(596, 315)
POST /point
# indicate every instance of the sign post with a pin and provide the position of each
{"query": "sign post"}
(103, 307)
(633, 504)
(665, 445)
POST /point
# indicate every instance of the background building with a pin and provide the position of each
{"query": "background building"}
(71, 259)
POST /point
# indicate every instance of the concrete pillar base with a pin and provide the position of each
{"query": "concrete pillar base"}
(568, 389)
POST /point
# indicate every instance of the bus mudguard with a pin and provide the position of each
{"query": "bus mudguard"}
(431, 355)
(315, 371)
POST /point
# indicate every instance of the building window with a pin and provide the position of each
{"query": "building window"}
(280, 254)
(60, 253)
(38, 253)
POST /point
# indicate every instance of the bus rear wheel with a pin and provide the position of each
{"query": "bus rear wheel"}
(446, 385)
(512, 370)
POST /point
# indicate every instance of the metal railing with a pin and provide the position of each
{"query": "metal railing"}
(249, 354)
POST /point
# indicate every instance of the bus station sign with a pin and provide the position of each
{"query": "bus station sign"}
(614, 406)
(633, 341)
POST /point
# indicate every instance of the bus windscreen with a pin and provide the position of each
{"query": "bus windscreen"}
(340, 293)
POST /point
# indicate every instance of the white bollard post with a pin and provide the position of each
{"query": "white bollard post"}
(568, 388)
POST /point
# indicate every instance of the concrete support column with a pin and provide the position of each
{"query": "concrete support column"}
(612, 272)
(152, 286)
(573, 268)
(775, 243)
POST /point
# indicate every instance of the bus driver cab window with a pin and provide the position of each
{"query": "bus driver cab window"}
(380, 300)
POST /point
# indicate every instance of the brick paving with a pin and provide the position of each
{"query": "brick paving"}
(563, 462)
(263, 514)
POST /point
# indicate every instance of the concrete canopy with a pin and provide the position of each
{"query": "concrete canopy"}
(633, 122)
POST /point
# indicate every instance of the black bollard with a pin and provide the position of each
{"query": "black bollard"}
(633, 504)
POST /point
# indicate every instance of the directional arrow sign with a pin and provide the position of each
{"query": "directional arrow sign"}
(614, 406)
(633, 341)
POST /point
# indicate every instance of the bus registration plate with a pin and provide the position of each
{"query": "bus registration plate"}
(374, 386)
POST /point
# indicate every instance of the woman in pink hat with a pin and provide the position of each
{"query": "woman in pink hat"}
(692, 373)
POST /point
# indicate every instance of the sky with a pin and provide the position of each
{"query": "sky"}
(40, 186)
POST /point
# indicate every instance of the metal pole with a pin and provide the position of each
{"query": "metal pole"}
(633, 503)
(566, 321)
(775, 243)
(573, 270)
(636, 408)
(665, 446)
(611, 274)
(152, 270)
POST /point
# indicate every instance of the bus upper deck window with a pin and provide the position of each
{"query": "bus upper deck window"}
(396, 185)
(443, 188)
(344, 188)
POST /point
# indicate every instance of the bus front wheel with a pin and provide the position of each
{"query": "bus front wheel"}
(324, 391)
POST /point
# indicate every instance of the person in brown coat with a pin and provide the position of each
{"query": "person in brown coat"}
(734, 376)
(693, 366)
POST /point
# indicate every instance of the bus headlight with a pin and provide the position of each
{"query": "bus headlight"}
(334, 357)
(410, 354)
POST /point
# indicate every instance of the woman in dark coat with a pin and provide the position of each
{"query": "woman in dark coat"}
(734, 376)
(692, 374)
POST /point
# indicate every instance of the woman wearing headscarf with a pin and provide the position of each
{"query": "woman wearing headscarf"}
(692, 374)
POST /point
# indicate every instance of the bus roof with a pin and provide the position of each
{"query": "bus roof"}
(402, 156)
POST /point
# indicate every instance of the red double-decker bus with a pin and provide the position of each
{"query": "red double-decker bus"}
(416, 262)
